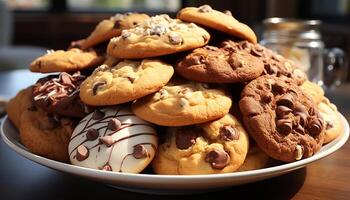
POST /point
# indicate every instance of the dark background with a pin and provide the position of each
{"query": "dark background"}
(57, 25)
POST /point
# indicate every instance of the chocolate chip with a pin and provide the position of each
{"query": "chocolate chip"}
(158, 29)
(286, 100)
(258, 52)
(315, 126)
(299, 129)
(117, 24)
(114, 124)
(107, 140)
(282, 111)
(140, 152)
(329, 125)
(218, 159)
(266, 98)
(96, 87)
(205, 8)
(98, 114)
(92, 134)
(227, 12)
(107, 167)
(82, 153)
(131, 78)
(277, 88)
(185, 137)
(284, 126)
(302, 118)
(228, 133)
(299, 109)
(175, 38)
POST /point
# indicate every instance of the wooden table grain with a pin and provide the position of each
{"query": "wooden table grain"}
(20, 178)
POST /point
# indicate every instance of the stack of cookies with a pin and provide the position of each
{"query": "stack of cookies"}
(192, 95)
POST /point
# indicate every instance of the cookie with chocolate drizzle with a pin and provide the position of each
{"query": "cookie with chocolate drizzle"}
(60, 95)
(113, 139)
(215, 147)
(281, 118)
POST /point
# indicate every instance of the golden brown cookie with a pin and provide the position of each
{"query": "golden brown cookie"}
(18, 104)
(215, 147)
(46, 135)
(156, 36)
(66, 61)
(330, 116)
(256, 159)
(112, 27)
(313, 90)
(126, 81)
(225, 22)
(183, 104)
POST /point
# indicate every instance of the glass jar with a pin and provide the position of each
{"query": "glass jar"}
(300, 41)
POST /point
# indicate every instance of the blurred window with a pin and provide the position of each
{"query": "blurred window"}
(27, 4)
(112, 5)
(330, 7)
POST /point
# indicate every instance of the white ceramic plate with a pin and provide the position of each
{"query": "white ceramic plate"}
(170, 184)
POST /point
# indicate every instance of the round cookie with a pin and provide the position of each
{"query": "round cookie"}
(256, 159)
(112, 27)
(66, 61)
(183, 104)
(126, 81)
(331, 119)
(274, 64)
(156, 36)
(313, 90)
(282, 120)
(222, 21)
(60, 95)
(18, 104)
(46, 135)
(216, 147)
(113, 139)
(214, 65)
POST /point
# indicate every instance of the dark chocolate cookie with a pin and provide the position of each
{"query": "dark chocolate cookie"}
(282, 119)
(60, 95)
(274, 64)
(216, 65)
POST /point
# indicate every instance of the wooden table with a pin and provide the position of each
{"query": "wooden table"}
(23, 179)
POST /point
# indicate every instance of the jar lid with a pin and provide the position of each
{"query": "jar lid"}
(307, 29)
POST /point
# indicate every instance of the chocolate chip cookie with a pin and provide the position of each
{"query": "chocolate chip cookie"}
(112, 27)
(46, 134)
(274, 64)
(59, 94)
(217, 65)
(156, 36)
(283, 120)
(222, 21)
(181, 104)
(66, 61)
(126, 81)
(215, 147)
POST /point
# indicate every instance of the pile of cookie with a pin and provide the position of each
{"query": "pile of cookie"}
(192, 95)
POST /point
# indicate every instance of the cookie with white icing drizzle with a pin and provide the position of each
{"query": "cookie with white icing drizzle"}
(113, 139)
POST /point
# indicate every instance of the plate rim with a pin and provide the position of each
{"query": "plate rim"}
(112, 175)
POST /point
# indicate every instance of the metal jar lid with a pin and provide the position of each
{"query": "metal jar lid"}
(295, 28)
